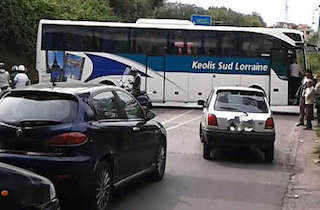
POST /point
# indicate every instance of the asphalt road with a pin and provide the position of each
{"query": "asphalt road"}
(238, 180)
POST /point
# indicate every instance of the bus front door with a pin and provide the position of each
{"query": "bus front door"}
(279, 77)
(155, 70)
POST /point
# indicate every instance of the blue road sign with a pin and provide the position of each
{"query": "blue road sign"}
(203, 20)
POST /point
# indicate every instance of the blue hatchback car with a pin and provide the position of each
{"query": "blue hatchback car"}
(87, 139)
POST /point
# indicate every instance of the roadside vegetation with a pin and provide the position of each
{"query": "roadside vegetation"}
(313, 55)
(19, 19)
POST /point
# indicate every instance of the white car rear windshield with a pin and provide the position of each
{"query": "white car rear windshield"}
(242, 101)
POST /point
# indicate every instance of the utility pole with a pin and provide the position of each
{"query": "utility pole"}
(286, 12)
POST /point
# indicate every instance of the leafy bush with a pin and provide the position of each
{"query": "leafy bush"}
(20, 18)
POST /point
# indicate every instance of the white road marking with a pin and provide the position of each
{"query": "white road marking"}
(176, 117)
(184, 123)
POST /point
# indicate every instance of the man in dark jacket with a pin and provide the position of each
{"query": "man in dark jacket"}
(136, 83)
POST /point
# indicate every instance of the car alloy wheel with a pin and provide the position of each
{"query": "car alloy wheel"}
(161, 161)
(104, 186)
(160, 164)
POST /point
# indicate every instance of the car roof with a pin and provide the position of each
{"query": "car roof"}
(239, 88)
(74, 88)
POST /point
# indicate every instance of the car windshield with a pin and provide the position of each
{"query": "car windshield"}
(241, 101)
(37, 108)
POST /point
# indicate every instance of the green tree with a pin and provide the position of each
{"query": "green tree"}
(20, 18)
(178, 11)
(313, 55)
(227, 16)
(131, 10)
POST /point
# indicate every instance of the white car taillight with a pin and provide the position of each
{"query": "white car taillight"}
(212, 120)
(269, 123)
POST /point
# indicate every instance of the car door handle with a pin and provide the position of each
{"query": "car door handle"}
(136, 129)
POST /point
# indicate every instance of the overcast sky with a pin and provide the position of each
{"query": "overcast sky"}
(272, 11)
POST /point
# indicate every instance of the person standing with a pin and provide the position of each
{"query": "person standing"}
(294, 80)
(136, 82)
(301, 94)
(21, 80)
(309, 94)
(4, 78)
(14, 72)
(317, 97)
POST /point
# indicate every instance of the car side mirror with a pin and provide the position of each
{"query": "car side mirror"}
(149, 115)
(201, 102)
(144, 101)
(90, 115)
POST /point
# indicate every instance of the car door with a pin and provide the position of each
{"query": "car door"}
(144, 133)
(113, 134)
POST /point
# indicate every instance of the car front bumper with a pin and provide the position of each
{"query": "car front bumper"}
(233, 138)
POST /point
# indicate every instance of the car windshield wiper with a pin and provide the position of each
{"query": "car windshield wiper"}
(36, 122)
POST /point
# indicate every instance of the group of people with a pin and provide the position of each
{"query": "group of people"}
(17, 79)
(309, 94)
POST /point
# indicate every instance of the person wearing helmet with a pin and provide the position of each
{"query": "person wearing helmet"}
(136, 83)
(13, 73)
(4, 78)
(21, 79)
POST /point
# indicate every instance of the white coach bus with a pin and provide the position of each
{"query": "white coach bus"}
(177, 61)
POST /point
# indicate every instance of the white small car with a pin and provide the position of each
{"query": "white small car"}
(237, 116)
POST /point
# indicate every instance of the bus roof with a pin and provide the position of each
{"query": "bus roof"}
(163, 25)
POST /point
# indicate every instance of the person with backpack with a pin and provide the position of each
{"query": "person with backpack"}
(21, 79)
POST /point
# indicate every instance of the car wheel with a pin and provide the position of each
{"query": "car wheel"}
(206, 151)
(103, 186)
(268, 154)
(158, 173)
(201, 134)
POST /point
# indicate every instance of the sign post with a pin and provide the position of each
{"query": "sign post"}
(203, 20)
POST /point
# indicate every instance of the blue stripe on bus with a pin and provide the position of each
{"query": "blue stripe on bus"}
(206, 64)
(103, 66)
(203, 64)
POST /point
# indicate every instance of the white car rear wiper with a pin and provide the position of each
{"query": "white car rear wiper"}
(229, 108)
(233, 109)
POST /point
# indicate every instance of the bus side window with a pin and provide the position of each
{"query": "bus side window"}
(229, 45)
(179, 47)
(210, 43)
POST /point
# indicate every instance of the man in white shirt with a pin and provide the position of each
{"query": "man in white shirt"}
(308, 95)
(21, 80)
(301, 95)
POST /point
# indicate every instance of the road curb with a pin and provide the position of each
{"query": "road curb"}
(296, 137)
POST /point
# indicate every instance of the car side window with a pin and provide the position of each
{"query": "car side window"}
(105, 106)
(130, 106)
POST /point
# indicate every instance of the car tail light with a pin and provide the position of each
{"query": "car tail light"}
(68, 139)
(212, 120)
(269, 123)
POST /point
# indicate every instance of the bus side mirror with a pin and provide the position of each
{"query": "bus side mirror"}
(201, 102)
